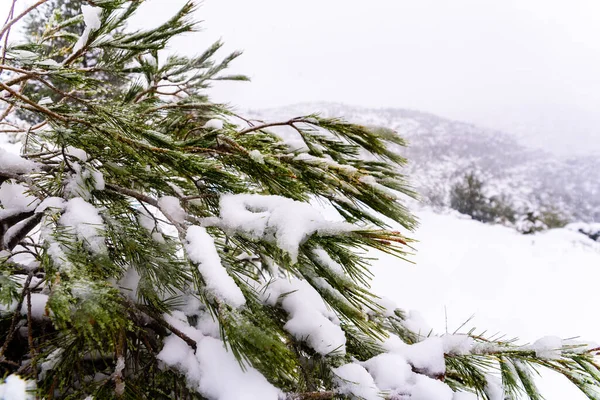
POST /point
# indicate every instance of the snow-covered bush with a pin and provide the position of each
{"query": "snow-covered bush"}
(591, 230)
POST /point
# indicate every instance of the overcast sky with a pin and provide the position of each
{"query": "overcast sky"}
(531, 67)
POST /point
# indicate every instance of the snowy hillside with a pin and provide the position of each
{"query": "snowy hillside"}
(525, 286)
(442, 151)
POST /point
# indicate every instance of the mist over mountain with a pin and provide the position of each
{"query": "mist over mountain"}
(442, 151)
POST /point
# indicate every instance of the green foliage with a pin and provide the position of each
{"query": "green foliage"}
(467, 197)
(553, 218)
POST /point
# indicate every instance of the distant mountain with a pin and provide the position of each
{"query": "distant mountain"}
(442, 151)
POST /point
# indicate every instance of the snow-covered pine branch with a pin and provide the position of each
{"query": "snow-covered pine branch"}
(154, 244)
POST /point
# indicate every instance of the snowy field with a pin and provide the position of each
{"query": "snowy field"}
(525, 286)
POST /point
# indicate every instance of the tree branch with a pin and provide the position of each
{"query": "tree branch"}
(291, 123)
(29, 224)
(10, 23)
(13, 324)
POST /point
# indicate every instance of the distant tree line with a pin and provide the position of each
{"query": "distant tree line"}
(468, 197)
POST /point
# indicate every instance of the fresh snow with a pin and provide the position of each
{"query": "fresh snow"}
(57, 203)
(525, 286)
(257, 156)
(396, 370)
(464, 396)
(213, 370)
(91, 16)
(326, 162)
(84, 220)
(82, 180)
(171, 207)
(13, 163)
(374, 184)
(548, 347)
(15, 388)
(79, 154)
(38, 305)
(310, 318)
(284, 221)
(353, 379)
(14, 196)
(528, 286)
(50, 362)
(325, 260)
(214, 124)
(201, 250)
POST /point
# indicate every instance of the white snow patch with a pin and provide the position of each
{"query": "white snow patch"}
(15, 164)
(388, 305)
(373, 183)
(44, 101)
(171, 207)
(38, 305)
(98, 178)
(82, 40)
(85, 221)
(15, 388)
(51, 361)
(148, 223)
(464, 396)
(79, 154)
(257, 156)
(426, 388)
(416, 324)
(325, 260)
(390, 371)
(548, 347)
(129, 283)
(426, 356)
(57, 203)
(13, 196)
(201, 250)
(457, 344)
(213, 370)
(91, 16)
(284, 221)
(353, 379)
(80, 182)
(214, 124)
(493, 388)
(310, 318)
(290, 137)
(326, 162)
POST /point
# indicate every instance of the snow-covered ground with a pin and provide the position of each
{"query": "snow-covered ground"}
(525, 286)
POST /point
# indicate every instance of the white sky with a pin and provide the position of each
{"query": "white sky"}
(531, 67)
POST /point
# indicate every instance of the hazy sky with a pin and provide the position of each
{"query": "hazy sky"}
(531, 67)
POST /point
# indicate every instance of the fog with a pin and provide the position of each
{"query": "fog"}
(528, 67)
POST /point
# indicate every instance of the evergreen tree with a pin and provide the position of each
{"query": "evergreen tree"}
(156, 245)
(467, 197)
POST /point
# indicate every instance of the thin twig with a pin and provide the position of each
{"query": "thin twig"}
(32, 103)
(7, 25)
(11, 14)
(13, 324)
(30, 332)
(291, 123)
